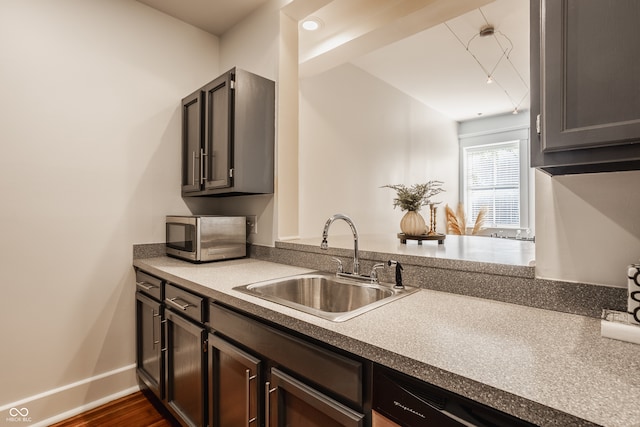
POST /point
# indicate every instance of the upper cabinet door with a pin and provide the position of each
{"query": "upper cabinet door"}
(218, 154)
(192, 134)
(591, 73)
(585, 85)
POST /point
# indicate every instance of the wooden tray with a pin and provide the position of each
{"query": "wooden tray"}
(404, 237)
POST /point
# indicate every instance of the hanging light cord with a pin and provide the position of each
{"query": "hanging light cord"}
(506, 52)
(526, 85)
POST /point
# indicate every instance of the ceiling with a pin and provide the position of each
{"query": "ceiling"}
(424, 48)
(448, 65)
(212, 16)
(430, 50)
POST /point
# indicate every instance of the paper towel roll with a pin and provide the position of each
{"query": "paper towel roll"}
(633, 293)
(616, 325)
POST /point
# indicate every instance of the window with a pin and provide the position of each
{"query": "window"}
(495, 172)
(492, 179)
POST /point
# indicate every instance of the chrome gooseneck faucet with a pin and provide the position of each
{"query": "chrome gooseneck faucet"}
(325, 233)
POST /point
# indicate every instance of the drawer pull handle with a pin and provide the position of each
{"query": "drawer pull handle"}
(173, 302)
(146, 286)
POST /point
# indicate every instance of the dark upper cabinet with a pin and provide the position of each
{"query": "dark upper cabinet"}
(585, 85)
(192, 134)
(228, 131)
(217, 161)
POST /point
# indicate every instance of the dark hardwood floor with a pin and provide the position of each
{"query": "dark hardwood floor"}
(134, 410)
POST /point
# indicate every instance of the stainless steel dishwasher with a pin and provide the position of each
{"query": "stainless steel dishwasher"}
(400, 400)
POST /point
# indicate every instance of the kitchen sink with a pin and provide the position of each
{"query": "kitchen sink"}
(326, 295)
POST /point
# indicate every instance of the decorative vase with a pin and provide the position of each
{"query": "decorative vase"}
(412, 224)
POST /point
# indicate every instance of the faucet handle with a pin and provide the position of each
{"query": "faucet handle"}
(374, 272)
(340, 268)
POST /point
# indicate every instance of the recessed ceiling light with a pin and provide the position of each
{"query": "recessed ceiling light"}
(311, 24)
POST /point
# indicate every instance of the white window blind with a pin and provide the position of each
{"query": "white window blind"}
(492, 181)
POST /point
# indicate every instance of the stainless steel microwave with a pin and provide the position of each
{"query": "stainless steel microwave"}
(203, 238)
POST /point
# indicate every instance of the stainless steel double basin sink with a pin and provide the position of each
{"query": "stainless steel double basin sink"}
(326, 295)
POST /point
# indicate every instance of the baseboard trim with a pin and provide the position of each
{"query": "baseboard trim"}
(64, 402)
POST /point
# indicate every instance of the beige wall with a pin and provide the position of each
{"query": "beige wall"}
(587, 227)
(255, 44)
(357, 134)
(89, 165)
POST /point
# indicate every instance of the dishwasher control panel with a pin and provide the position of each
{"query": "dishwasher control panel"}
(410, 402)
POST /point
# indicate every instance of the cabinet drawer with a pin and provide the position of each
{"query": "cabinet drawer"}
(337, 374)
(184, 302)
(149, 285)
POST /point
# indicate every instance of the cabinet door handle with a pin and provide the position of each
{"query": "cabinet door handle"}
(267, 407)
(248, 378)
(202, 156)
(153, 327)
(205, 172)
(193, 168)
(213, 165)
(155, 341)
(173, 302)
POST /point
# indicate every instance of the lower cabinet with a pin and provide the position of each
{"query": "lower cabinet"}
(185, 372)
(234, 379)
(237, 371)
(290, 402)
(263, 376)
(149, 346)
(149, 336)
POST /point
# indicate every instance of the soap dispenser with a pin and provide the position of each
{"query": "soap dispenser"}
(399, 269)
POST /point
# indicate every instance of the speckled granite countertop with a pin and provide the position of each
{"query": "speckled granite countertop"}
(470, 253)
(550, 368)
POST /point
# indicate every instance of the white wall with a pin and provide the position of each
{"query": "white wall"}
(587, 227)
(357, 134)
(89, 165)
(253, 45)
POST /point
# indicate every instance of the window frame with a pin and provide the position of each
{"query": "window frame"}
(490, 137)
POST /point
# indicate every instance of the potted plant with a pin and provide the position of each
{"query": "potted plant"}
(411, 199)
